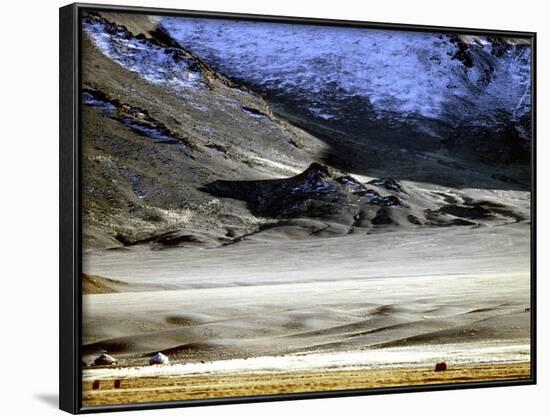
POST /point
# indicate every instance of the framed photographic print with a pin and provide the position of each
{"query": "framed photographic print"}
(259, 208)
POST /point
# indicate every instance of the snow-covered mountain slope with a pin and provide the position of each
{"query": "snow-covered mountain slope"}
(396, 75)
(153, 62)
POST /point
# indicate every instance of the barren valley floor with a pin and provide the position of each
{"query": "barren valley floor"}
(381, 309)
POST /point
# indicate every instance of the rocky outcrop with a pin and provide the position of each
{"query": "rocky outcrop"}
(313, 193)
(343, 204)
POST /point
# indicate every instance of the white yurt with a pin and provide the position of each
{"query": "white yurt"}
(159, 359)
(105, 359)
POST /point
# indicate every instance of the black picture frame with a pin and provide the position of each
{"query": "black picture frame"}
(70, 250)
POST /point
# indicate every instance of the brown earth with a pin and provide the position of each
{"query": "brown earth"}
(94, 284)
(141, 390)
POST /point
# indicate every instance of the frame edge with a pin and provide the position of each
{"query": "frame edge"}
(70, 226)
(301, 20)
(69, 314)
(534, 301)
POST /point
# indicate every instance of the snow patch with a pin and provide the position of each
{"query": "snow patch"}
(155, 63)
(400, 73)
(420, 356)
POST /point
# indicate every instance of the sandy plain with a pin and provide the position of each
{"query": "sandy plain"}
(369, 306)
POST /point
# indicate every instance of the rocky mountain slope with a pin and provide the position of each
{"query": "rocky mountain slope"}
(469, 94)
(158, 124)
(177, 154)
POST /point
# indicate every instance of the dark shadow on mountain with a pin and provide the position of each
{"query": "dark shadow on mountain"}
(495, 157)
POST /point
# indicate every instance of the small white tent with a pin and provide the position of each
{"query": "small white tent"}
(159, 359)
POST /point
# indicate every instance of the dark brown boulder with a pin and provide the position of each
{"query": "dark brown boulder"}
(440, 367)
